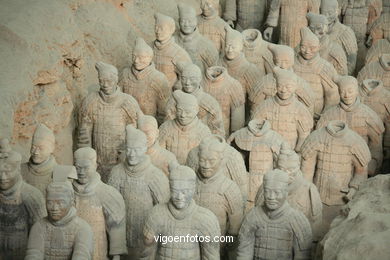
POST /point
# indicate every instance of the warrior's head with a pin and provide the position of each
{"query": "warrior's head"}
(9, 165)
(136, 145)
(211, 153)
(209, 7)
(164, 27)
(283, 56)
(286, 83)
(43, 144)
(234, 43)
(318, 24)
(330, 8)
(108, 77)
(275, 189)
(191, 77)
(310, 44)
(182, 182)
(187, 107)
(348, 89)
(142, 54)
(85, 163)
(148, 125)
(187, 19)
(59, 200)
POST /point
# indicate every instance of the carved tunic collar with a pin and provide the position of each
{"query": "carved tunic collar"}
(308, 62)
(259, 131)
(109, 98)
(88, 188)
(237, 62)
(13, 192)
(137, 170)
(44, 168)
(336, 128)
(208, 181)
(384, 60)
(142, 74)
(161, 46)
(213, 77)
(188, 127)
(181, 214)
(187, 38)
(282, 102)
(65, 220)
(372, 90)
(352, 107)
(278, 213)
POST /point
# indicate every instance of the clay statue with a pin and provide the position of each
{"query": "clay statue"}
(359, 15)
(287, 116)
(260, 147)
(144, 82)
(62, 234)
(275, 230)
(290, 16)
(233, 166)
(160, 157)
(360, 118)
(195, 4)
(103, 118)
(376, 97)
(201, 50)
(21, 205)
(38, 171)
(167, 53)
(209, 109)
(184, 132)
(316, 71)
(379, 70)
(101, 206)
(211, 25)
(228, 11)
(142, 186)
(230, 96)
(336, 177)
(180, 217)
(302, 194)
(329, 50)
(251, 14)
(236, 64)
(215, 191)
(340, 33)
(377, 49)
(256, 50)
(283, 57)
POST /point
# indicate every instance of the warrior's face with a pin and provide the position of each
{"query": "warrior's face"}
(57, 204)
(285, 88)
(190, 81)
(135, 153)
(309, 49)
(284, 61)
(209, 162)
(163, 31)
(108, 83)
(275, 194)
(209, 7)
(233, 48)
(9, 173)
(348, 93)
(188, 23)
(319, 29)
(185, 114)
(330, 11)
(182, 192)
(141, 60)
(41, 150)
(85, 169)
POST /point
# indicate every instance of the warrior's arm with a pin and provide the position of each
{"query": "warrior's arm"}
(308, 166)
(247, 238)
(83, 244)
(273, 14)
(237, 118)
(36, 243)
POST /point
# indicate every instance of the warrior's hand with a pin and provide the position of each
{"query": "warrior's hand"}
(349, 196)
(268, 33)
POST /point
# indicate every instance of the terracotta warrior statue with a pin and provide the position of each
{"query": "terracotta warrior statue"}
(228, 11)
(101, 206)
(144, 82)
(340, 33)
(251, 14)
(180, 217)
(316, 71)
(215, 191)
(380, 28)
(211, 25)
(336, 177)
(377, 49)
(287, 116)
(167, 53)
(142, 186)
(283, 57)
(38, 171)
(290, 16)
(329, 50)
(103, 118)
(209, 109)
(303, 195)
(379, 70)
(201, 50)
(184, 132)
(230, 96)
(376, 97)
(236, 64)
(62, 234)
(360, 118)
(233, 166)
(256, 50)
(21, 205)
(275, 230)
(260, 147)
(160, 157)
